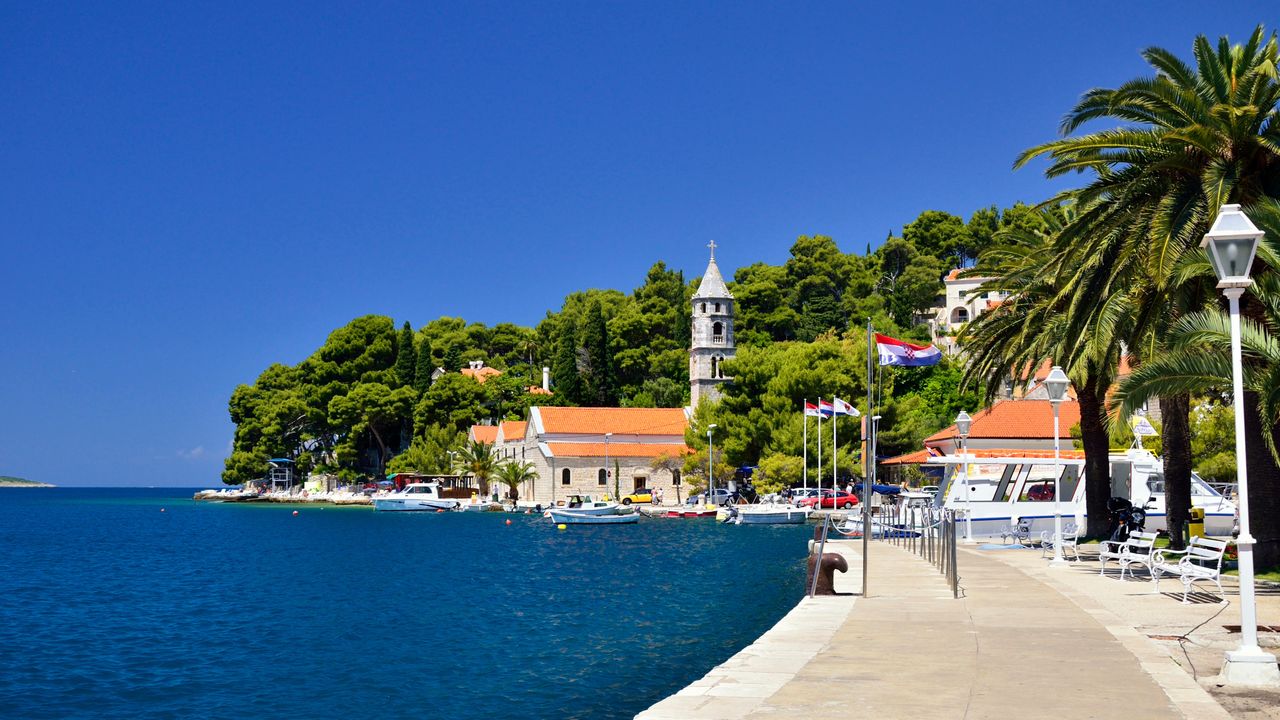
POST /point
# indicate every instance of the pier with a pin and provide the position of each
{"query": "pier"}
(1012, 645)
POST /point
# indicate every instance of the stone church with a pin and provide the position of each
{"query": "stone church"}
(712, 341)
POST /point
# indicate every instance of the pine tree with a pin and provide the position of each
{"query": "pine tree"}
(406, 357)
(424, 367)
(565, 368)
(602, 379)
(453, 358)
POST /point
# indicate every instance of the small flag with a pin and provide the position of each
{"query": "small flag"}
(899, 352)
(811, 410)
(840, 407)
(825, 409)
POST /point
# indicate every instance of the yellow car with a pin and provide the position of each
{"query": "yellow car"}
(643, 495)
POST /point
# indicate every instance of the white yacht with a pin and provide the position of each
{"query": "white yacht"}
(416, 496)
(1001, 492)
(764, 514)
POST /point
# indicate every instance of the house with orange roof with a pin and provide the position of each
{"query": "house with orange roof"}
(598, 451)
(483, 433)
(963, 302)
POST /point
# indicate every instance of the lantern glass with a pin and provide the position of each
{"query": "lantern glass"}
(963, 421)
(1056, 384)
(1232, 243)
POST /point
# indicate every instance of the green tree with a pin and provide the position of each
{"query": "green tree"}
(941, 235)
(423, 367)
(376, 409)
(568, 383)
(453, 358)
(513, 473)
(595, 362)
(406, 356)
(454, 401)
(480, 460)
(778, 471)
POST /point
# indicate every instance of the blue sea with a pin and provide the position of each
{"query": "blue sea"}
(111, 608)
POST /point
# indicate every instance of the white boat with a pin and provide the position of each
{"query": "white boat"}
(416, 496)
(1005, 491)
(764, 514)
(573, 517)
(584, 505)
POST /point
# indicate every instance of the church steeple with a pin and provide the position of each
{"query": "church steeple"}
(712, 341)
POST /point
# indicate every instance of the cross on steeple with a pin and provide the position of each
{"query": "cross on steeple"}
(712, 245)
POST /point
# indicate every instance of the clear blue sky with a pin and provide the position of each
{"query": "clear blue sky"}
(189, 194)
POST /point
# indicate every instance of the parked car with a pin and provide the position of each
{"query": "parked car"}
(641, 495)
(719, 496)
(841, 499)
(931, 489)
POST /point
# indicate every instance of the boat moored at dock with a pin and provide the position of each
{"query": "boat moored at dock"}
(561, 516)
(422, 497)
(764, 514)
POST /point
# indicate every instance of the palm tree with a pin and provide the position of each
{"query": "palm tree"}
(1192, 139)
(1033, 325)
(512, 473)
(480, 460)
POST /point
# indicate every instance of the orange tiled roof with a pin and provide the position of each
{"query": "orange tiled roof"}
(484, 433)
(1021, 419)
(955, 275)
(911, 458)
(632, 450)
(621, 421)
(481, 374)
(538, 390)
(513, 429)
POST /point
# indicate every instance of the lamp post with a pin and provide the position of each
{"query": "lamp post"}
(711, 463)
(963, 421)
(606, 462)
(1232, 243)
(1056, 385)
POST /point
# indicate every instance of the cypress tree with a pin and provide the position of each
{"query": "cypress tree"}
(424, 367)
(453, 358)
(406, 357)
(565, 368)
(602, 380)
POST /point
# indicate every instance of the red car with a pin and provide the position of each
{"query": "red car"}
(842, 499)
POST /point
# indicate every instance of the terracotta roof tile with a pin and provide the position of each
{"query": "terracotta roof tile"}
(911, 458)
(620, 450)
(484, 433)
(481, 374)
(620, 421)
(513, 430)
(538, 390)
(1021, 419)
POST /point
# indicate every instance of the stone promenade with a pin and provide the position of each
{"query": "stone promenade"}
(1010, 647)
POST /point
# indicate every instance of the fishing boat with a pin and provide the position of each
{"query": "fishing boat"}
(764, 514)
(998, 493)
(422, 497)
(560, 516)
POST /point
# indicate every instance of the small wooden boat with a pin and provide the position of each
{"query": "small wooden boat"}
(685, 512)
(572, 517)
(764, 514)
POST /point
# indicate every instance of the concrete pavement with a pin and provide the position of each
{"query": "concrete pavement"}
(1011, 646)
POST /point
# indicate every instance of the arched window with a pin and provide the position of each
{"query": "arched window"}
(715, 365)
(959, 315)
(721, 368)
(564, 476)
(675, 477)
(602, 478)
(717, 307)
(703, 308)
(717, 332)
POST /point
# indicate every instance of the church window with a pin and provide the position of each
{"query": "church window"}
(717, 332)
(703, 308)
(717, 307)
(715, 362)
(721, 368)
(675, 477)
(602, 478)
(564, 477)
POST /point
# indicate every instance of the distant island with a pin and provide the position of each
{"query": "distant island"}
(9, 481)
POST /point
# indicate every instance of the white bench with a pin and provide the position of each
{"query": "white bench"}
(1202, 560)
(1069, 536)
(1019, 532)
(1137, 550)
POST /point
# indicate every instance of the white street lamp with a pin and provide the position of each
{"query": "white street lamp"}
(606, 463)
(711, 460)
(963, 422)
(1056, 385)
(1232, 242)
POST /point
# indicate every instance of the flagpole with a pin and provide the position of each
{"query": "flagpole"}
(804, 412)
(867, 462)
(818, 505)
(835, 454)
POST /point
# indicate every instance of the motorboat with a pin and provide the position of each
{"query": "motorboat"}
(584, 505)
(999, 493)
(415, 496)
(561, 516)
(764, 514)
(688, 512)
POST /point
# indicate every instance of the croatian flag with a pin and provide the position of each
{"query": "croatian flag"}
(825, 409)
(811, 410)
(840, 407)
(899, 352)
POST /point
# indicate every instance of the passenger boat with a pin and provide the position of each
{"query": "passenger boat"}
(574, 517)
(764, 514)
(1001, 492)
(416, 496)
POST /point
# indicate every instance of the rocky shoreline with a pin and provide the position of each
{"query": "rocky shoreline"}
(241, 496)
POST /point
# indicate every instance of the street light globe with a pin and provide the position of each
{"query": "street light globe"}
(963, 421)
(1056, 384)
(1232, 243)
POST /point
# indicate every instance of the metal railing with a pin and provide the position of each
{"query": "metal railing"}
(932, 533)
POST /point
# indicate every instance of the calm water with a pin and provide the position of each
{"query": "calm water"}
(111, 608)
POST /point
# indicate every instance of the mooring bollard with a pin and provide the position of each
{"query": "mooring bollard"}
(826, 580)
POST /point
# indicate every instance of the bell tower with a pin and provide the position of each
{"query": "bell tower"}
(712, 341)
